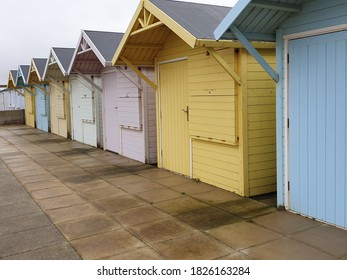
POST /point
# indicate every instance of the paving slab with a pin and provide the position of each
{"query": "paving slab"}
(145, 253)
(102, 193)
(329, 239)
(73, 212)
(87, 226)
(61, 251)
(138, 215)
(284, 222)
(141, 186)
(286, 249)
(243, 235)
(208, 218)
(18, 209)
(106, 244)
(196, 246)
(23, 222)
(51, 192)
(180, 205)
(24, 241)
(158, 195)
(60, 201)
(115, 204)
(160, 230)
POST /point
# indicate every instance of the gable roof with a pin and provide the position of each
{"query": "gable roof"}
(12, 78)
(257, 20)
(95, 47)
(37, 69)
(154, 20)
(22, 75)
(58, 63)
(198, 19)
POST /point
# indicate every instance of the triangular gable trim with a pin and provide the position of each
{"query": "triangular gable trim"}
(152, 17)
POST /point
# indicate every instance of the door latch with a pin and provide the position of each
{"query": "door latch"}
(187, 112)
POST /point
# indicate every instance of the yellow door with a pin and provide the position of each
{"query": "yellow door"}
(175, 146)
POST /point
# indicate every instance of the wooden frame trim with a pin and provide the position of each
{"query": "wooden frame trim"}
(225, 65)
(138, 72)
(94, 85)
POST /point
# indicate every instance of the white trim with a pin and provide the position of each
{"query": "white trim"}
(286, 129)
(316, 32)
(173, 60)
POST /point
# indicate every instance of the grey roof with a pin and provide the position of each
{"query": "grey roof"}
(23, 73)
(14, 74)
(64, 55)
(106, 42)
(40, 64)
(258, 20)
(198, 19)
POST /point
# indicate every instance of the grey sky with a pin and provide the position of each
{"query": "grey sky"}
(30, 28)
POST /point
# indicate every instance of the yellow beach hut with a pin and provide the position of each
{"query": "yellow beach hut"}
(56, 74)
(215, 103)
(29, 95)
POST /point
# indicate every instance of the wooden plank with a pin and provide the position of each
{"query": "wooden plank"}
(146, 28)
(138, 72)
(225, 65)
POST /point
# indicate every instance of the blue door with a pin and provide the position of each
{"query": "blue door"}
(42, 110)
(317, 132)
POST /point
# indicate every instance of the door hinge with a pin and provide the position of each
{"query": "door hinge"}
(288, 58)
(288, 123)
(288, 186)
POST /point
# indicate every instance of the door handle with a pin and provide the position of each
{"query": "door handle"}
(187, 112)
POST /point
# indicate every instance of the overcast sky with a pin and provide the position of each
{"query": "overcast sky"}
(29, 28)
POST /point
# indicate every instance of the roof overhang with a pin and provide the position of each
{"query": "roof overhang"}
(87, 58)
(257, 20)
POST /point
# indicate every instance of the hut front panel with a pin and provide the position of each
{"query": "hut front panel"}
(216, 164)
(174, 134)
(261, 107)
(58, 112)
(212, 115)
(29, 109)
(83, 108)
(42, 110)
(112, 128)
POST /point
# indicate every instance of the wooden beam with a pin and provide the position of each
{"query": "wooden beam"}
(125, 74)
(28, 91)
(21, 93)
(146, 28)
(275, 6)
(225, 65)
(84, 51)
(94, 85)
(254, 53)
(58, 86)
(138, 72)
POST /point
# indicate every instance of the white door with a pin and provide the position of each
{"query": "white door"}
(112, 129)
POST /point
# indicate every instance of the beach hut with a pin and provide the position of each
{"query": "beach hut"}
(215, 103)
(311, 39)
(56, 74)
(41, 91)
(11, 97)
(124, 107)
(21, 83)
